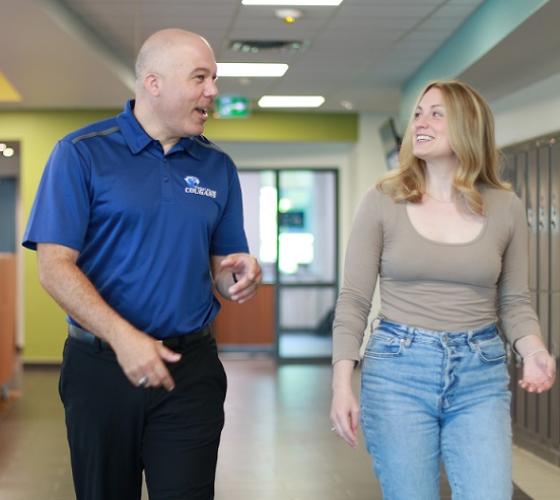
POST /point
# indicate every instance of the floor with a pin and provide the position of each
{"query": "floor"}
(276, 445)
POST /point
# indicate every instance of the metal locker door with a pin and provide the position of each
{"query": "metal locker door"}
(532, 220)
(543, 245)
(555, 392)
(508, 170)
(554, 338)
(520, 162)
(519, 411)
(555, 219)
(543, 262)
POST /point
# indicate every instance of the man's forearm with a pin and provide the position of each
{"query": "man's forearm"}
(73, 291)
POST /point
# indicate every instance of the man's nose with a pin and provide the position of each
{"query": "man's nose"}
(211, 89)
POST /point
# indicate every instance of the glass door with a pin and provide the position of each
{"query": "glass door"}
(291, 223)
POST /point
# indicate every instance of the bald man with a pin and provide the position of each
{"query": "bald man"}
(136, 220)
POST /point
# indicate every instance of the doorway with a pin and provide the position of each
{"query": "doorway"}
(291, 220)
(9, 176)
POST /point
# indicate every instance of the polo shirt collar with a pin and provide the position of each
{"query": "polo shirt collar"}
(134, 135)
(137, 138)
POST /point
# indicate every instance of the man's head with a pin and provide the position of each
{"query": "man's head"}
(175, 84)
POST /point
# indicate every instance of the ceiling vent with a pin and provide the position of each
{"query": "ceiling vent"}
(255, 46)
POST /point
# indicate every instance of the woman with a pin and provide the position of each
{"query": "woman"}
(448, 241)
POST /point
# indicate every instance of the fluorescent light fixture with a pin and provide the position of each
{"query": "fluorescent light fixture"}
(251, 69)
(314, 3)
(291, 101)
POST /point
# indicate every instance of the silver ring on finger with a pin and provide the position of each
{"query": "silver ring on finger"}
(143, 382)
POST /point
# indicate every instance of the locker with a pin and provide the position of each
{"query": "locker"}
(535, 168)
(508, 172)
(555, 216)
(520, 161)
(542, 401)
(555, 391)
(543, 244)
(532, 216)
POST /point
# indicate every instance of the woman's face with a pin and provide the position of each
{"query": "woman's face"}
(430, 132)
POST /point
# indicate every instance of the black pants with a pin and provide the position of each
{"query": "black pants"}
(116, 430)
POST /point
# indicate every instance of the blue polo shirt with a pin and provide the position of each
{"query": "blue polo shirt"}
(144, 223)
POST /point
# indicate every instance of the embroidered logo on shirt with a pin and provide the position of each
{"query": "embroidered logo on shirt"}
(193, 187)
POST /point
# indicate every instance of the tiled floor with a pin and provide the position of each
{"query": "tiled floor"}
(276, 444)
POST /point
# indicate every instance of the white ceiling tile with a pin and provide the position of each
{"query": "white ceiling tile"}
(354, 49)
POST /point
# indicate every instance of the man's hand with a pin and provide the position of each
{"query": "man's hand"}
(140, 356)
(142, 359)
(237, 276)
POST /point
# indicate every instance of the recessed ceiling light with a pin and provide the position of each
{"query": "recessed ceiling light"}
(291, 101)
(314, 3)
(8, 152)
(251, 69)
(289, 16)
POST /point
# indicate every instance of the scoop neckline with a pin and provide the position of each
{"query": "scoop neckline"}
(445, 243)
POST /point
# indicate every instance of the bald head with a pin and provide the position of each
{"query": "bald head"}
(175, 85)
(166, 49)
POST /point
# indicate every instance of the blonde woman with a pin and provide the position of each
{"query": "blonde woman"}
(448, 240)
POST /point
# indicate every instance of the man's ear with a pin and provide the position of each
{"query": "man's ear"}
(152, 84)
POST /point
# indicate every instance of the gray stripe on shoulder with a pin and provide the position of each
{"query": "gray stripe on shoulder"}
(209, 145)
(89, 135)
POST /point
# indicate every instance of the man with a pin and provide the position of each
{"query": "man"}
(135, 220)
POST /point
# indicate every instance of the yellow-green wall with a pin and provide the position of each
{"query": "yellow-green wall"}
(37, 131)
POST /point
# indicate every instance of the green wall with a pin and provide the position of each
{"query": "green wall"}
(38, 131)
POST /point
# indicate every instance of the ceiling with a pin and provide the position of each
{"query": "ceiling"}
(80, 53)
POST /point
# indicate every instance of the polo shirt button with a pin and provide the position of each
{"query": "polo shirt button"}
(166, 179)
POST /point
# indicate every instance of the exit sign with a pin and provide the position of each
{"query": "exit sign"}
(231, 106)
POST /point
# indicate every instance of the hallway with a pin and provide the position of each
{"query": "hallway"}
(276, 444)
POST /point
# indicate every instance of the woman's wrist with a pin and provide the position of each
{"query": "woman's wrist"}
(536, 351)
(529, 346)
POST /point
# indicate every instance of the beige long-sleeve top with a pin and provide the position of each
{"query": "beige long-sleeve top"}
(434, 285)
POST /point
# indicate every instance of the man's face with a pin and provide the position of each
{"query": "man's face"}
(188, 90)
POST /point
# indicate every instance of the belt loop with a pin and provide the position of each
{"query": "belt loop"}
(470, 342)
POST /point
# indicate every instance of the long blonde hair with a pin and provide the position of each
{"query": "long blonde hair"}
(471, 136)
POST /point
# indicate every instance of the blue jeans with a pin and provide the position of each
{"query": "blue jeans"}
(428, 396)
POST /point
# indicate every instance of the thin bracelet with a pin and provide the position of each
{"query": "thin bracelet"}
(536, 351)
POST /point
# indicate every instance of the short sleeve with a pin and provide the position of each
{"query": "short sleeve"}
(229, 235)
(60, 212)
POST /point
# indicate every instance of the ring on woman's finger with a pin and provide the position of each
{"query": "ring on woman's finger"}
(143, 382)
(333, 429)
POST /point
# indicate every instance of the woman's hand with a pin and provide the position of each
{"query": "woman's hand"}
(539, 372)
(345, 411)
(539, 367)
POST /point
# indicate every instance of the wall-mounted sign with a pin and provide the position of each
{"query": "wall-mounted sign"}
(232, 106)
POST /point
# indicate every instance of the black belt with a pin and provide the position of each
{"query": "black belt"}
(176, 343)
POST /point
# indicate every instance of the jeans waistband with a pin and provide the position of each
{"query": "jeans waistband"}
(407, 331)
(178, 343)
